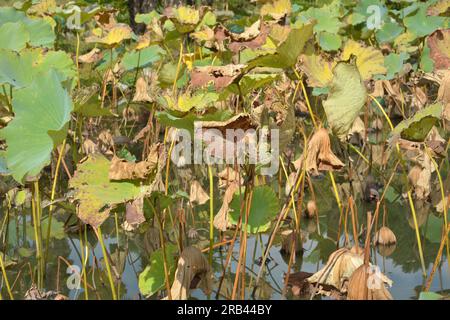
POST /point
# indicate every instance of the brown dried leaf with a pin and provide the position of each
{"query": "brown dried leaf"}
(141, 94)
(134, 214)
(192, 271)
(241, 121)
(121, 169)
(319, 156)
(221, 220)
(92, 56)
(197, 193)
(221, 76)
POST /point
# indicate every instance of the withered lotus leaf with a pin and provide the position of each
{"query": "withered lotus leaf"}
(192, 271)
(121, 169)
(221, 76)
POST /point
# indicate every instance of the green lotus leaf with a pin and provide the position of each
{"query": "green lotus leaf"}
(41, 33)
(152, 278)
(9, 14)
(187, 121)
(327, 17)
(426, 63)
(3, 167)
(143, 58)
(42, 111)
(329, 41)
(19, 70)
(14, 70)
(417, 127)
(346, 98)
(389, 32)
(13, 36)
(420, 24)
(96, 194)
(263, 209)
(394, 64)
(426, 295)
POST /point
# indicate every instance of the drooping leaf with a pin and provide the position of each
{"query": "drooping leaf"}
(42, 111)
(346, 98)
(263, 208)
(152, 278)
(96, 194)
(418, 127)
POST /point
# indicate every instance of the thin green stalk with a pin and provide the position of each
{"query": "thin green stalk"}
(108, 268)
(52, 198)
(416, 226)
(8, 288)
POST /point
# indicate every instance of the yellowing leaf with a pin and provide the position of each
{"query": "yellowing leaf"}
(368, 60)
(116, 35)
(318, 70)
(277, 9)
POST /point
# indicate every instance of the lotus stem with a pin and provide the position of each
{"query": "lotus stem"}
(416, 226)
(8, 288)
(52, 198)
(108, 267)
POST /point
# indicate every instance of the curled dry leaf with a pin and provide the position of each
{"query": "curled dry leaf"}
(319, 155)
(92, 56)
(252, 37)
(228, 176)
(121, 169)
(340, 266)
(197, 193)
(134, 214)
(192, 271)
(367, 284)
(221, 220)
(241, 121)
(141, 94)
(221, 76)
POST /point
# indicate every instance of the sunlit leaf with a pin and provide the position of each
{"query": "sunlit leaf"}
(369, 61)
(346, 98)
(417, 127)
(96, 194)
(42, 111)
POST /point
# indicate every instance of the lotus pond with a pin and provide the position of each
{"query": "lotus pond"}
(116, 123)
